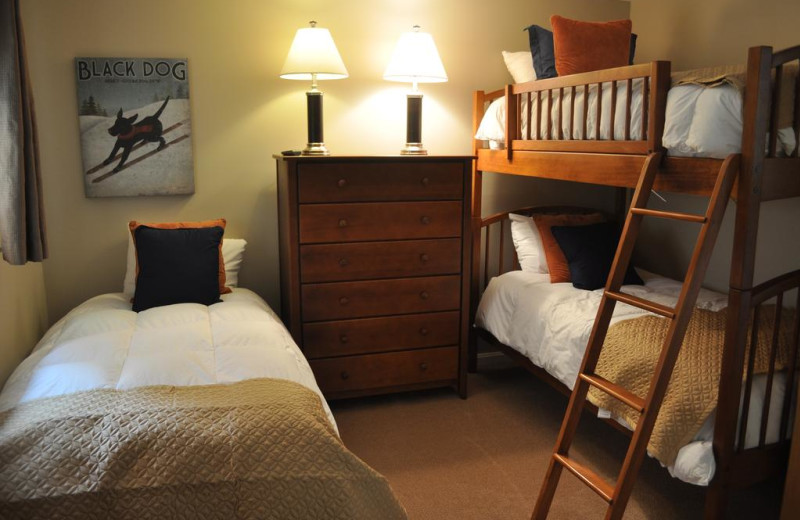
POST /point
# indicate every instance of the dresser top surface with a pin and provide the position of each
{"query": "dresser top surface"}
(352, 158)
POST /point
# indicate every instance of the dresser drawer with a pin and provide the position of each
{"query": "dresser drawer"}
(386, 370)
(362, 336)
(370, 260)
(379, 221)
(379, 181)
(342, 300)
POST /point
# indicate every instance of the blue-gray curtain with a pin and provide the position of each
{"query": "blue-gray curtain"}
(22, 227)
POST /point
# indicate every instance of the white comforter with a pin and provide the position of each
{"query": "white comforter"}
(551, 323)
(103, 344)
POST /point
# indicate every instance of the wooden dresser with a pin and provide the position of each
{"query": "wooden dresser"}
(374, 275)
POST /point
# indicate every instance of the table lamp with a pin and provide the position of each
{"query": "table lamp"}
(313, 56)
(415, 60)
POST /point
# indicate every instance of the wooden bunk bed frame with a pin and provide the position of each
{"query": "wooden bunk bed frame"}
(763, 176)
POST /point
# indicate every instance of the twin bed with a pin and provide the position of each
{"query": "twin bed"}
(752, 111)
(179, 411)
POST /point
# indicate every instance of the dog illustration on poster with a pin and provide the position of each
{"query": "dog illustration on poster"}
(135, 126)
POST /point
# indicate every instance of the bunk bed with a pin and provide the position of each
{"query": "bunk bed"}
(545, 146)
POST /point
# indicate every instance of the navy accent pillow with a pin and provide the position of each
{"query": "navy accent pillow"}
(589, 251)
(177, 266)
(543, 51)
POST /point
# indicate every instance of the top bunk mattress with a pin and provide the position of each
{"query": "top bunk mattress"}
(700, 121)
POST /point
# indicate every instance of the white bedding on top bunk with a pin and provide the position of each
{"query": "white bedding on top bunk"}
(550, 324)
(102, 343)
(699, 121)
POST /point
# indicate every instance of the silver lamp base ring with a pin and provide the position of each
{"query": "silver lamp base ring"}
(316, 149)
(413, 149)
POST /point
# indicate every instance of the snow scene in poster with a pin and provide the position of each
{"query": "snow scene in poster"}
(135, 126)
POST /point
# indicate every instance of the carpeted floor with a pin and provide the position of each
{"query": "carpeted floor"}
(484, 457)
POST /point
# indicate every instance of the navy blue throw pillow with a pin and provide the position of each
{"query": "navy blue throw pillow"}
(589, 251)
(177, 266)
(543, 51)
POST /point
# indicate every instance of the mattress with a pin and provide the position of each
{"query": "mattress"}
(551, 323)
(103, 344)
(699, 121)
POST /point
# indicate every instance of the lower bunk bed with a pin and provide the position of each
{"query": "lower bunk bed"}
(545, 327)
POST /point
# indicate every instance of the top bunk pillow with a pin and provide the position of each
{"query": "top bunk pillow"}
(590, 252)
(520, 66)
(178, 263)
(586, 46)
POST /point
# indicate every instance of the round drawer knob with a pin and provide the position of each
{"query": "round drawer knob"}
(342, 183)
(425, 181)
(423, 366)
(343, 262)
(424, 257)
(343, 338)
(424, 295)
(344, 300)
(425, 220)
(345, 375)
(423, 331)
(343, 222)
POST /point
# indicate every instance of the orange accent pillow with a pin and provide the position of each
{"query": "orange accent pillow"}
(587, 46)
(556, 261)
(133, 224)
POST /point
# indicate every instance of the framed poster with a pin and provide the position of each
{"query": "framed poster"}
(135, 126)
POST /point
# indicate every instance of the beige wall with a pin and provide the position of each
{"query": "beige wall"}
(694, 33)
(23, 313)
(242, 112)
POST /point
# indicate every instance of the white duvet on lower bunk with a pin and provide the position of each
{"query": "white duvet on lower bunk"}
(550, 324)
(699, 121)
(102, 343)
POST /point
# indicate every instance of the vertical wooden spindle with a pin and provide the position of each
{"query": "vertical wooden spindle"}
(598, 112)
(772, 147)
(776, 329)
(628, 101)
(794, 345)
(645, 104)
(585, 136)
(613, 109)
(748, 388)
(572, 112)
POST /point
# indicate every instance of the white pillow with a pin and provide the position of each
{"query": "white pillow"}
(493, 124)
(232, 256)
(681, 103)
(716, 129)
(520, 66)
(528, 244)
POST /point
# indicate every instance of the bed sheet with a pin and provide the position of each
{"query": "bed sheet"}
(699, 121)
(551, 323)
(103, 344)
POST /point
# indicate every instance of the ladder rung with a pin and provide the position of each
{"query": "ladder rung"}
(616, 391)
(588, 477)
(657, 308)
(700, 219)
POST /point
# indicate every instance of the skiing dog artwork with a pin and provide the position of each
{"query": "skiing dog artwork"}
(128, 134)
(135, 126)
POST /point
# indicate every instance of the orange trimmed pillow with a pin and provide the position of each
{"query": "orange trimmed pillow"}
(587, 46)
(556, 261)
(133, 224)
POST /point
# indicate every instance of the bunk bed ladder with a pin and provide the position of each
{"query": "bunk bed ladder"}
(617, 494)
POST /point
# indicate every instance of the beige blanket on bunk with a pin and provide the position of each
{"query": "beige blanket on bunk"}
(261, 448)
(736, 75)
(630, 355)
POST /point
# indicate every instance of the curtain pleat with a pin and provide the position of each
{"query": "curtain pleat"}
(22, 224)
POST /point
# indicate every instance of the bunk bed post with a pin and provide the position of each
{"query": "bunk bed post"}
(748, 201)
(478, 105)
(512, 117)
(659, 87)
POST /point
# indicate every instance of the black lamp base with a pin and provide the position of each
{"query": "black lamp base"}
(414, 126)
(315, 145)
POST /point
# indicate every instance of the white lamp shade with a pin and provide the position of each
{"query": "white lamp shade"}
(415, 60)
(313, 52)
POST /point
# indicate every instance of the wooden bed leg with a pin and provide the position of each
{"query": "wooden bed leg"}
(472, 351)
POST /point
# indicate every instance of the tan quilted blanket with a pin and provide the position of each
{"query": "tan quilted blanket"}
(736, 75)
(630, 355)
(261, 448)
